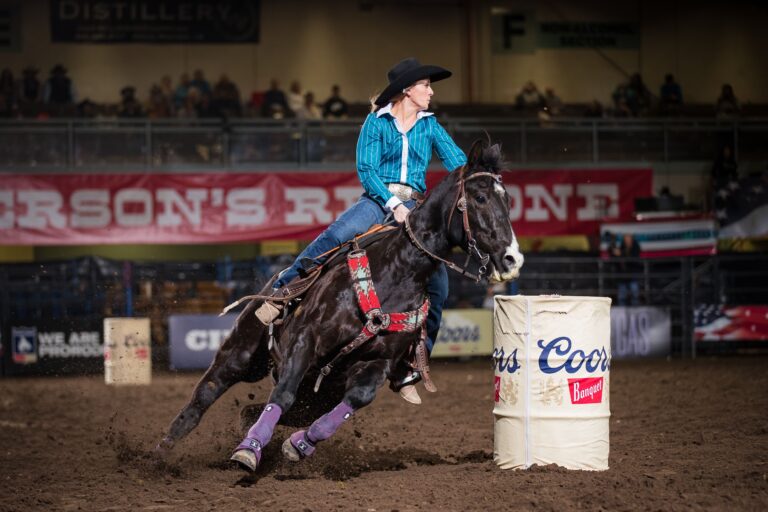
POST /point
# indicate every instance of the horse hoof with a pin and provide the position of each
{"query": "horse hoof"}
(246, 459)
(289, 452)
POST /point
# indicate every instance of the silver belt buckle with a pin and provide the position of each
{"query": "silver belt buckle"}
(402, 192)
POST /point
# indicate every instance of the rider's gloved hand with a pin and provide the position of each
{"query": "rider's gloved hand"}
(401, 212)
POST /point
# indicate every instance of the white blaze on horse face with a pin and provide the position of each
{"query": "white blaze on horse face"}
(513, 250)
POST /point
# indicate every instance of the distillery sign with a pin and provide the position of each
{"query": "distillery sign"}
(163, 21)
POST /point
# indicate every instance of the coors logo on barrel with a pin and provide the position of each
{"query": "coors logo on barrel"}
(588, 390)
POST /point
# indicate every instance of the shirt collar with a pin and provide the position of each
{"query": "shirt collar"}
(388, 110)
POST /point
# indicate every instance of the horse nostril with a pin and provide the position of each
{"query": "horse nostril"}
(509, 260)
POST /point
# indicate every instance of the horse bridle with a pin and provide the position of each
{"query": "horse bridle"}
(460, 203)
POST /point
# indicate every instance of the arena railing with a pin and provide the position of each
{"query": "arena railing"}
(88, 288)
(254, 144)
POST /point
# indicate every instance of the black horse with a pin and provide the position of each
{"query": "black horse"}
(469, 208)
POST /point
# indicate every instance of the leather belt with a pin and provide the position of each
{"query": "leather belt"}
(404, 192)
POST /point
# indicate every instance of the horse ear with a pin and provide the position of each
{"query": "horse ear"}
(475, 153)
(495, 152)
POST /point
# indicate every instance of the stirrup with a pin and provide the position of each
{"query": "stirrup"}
(268, 312)
(412, 378)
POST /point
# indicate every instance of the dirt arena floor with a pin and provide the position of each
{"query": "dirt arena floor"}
(685, 435)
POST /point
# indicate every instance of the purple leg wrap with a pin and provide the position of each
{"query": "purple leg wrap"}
(324, 427)
(261, 431)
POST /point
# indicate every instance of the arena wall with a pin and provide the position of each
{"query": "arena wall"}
(322, 43)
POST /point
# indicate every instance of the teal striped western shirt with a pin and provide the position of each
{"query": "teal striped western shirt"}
(387, 155)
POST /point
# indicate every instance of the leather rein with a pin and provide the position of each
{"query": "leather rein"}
(460, 203)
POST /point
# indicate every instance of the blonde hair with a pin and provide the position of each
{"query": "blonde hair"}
(397, 97)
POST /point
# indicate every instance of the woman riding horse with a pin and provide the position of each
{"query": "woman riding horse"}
(393, 153)
(360, 302)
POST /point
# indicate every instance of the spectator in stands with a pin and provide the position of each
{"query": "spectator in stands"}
(552, 102)
(335, 107)
(529, 97)
(182, 91)
(295, 97)
(226, 98)
(160, 104)
(129, 105)
(725, 168)
(8, 90)
(188, 109)
(205, 107)
(275, 105)
(727, 105)
(670, 95)
(30, 91)
(59, 91)
(309, 109)
(620, 98)
(594, 109)
(638, 96)
(6, 108)
(166, 87)
(200, 83)
(87, 109)
(627, 251)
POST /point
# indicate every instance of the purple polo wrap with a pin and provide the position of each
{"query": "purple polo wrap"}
(261, 431)
(324, 427)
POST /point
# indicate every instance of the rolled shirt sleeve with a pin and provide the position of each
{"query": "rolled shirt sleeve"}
(449, 153)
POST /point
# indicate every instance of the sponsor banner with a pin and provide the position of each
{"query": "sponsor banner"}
(24, 341)
(48, 209)
(640, 331)
(158, 21)
(465, 332)
(55, 348)
(194, 339)
(663, 239)
(717, 322)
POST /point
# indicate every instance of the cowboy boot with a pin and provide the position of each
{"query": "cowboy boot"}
(407, 388)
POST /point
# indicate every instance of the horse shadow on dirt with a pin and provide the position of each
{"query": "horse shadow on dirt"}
(339, 461)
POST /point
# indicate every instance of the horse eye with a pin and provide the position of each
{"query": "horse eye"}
(481, 199)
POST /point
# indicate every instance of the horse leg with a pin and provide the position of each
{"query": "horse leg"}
(243, 356)
(295, 365)
(216, 380)
(365, 378)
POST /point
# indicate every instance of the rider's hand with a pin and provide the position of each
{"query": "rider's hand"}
(401, 212)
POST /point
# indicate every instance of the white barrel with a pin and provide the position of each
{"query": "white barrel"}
(552, 359)
(127, 351)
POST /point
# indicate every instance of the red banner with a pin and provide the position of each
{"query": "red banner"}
(44, 209)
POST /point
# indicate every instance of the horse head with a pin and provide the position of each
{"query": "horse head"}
(482, 205)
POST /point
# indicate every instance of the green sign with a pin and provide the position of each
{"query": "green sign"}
(618, 35)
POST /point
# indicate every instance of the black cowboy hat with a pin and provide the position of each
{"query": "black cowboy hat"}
(405, 73)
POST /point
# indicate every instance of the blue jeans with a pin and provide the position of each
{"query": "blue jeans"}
(631, 288)
(358, 219)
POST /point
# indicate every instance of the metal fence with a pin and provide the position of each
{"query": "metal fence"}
(94, 287)
(173, 144)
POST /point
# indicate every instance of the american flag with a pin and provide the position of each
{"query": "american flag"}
(713, 322)
(741, 206)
